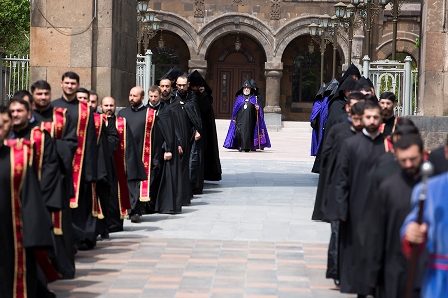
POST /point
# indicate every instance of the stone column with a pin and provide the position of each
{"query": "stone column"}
(272, 111)
(433, 68)
(199, 65)
(98, 43)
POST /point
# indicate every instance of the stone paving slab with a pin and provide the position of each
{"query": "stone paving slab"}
(249, 235)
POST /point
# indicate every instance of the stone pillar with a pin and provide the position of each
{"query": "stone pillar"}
(433, 68)
(272, 111)
(199, 65)
(98, 43)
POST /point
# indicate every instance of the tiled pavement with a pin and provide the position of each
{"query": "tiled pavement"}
(249, 235)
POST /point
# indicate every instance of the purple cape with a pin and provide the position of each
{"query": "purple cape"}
(260, 126)
(319, 107)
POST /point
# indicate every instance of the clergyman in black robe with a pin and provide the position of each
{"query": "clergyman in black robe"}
(329, 154)
(136, 118)
(87, 169)
(22, 205)
(188, 128)
(383, 263)
(388, 102)
(163, 182)
(356, 162)
(209, 138)
(126, 162)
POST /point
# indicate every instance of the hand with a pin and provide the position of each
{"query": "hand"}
(257, 107)
(234, 121)
(343, 219)
(167, 156)
(197, 136)
(416, 233)
(179, 148)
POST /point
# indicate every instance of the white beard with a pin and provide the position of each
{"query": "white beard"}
(246, 93)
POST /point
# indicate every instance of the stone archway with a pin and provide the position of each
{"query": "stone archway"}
(229, 67)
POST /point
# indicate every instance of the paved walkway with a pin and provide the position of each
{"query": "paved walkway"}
(249, 235)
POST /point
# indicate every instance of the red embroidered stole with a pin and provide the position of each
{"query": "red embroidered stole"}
(96, 206)
(81, 131)
(124, 201)
(146, 155)
(56, 129)
(19, 160)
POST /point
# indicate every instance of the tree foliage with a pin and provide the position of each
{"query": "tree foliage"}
(15, 26)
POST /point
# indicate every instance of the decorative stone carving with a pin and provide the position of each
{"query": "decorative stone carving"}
(275, 9)
(237, 2)
(199, 8)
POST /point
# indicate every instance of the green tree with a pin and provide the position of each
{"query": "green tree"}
(15, 26)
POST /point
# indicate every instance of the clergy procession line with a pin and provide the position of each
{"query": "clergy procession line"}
(389, 231)
(77, 168)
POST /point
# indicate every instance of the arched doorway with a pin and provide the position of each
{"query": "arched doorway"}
(174, 52)
(301, 76)
(229, 67)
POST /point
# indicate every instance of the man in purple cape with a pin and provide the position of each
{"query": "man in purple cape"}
(247, 130)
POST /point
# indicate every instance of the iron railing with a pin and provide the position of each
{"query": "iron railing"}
(15, 75)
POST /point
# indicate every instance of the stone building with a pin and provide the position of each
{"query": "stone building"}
(201, 35)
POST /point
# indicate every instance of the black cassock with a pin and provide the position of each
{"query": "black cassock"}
(356, 163)
(88, 170)
(63, 258)
(383, 263)
(186, 122)
(209, 138)
(246, 118)
(135, 173)
(329, 206)
(136, 121)
(439, 161)
(163, 179)
(107, 144)
(36, 227)
(327, 164)
(389, 126)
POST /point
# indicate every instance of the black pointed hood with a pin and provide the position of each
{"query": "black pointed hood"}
(361, 82)
(195, 79)
(351, 70)
(320, 92)
(246, 84)
(171, 74)
(253, 83)
(348, 84)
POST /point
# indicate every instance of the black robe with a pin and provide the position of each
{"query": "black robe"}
(63, 257)
(107, 144)
(439, 161)
(355, 165)
(389, 126)
(88, 170)
(383, 263)
(186, 122)
(163, 182)
(134, 174)
(246, 119)
(36, 227)
(328, 161)
(209, 137)
(136, 120)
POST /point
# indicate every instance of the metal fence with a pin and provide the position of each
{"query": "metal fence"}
(396, 77)
(144, 72)
(15, 76)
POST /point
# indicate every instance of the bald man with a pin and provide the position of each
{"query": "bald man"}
(140, 120)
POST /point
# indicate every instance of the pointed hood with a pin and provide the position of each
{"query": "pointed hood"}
(348, 84)
(195, 79)
(171, 74)
(320, 92)
(351, 70)
(253, 83)
(361, 82)
(331, 87)
(246, 84)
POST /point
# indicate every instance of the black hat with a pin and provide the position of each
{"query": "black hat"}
(320, 92)
(361, 82)
(348, 84)
(195, 79)
(351, 70)
(246, 84)
(171, 74)
(253, 83)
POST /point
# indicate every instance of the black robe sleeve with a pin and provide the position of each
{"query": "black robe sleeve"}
(342, 182)
(50, 181)
(134, 165)
(192, 109)
(66, 147)
(90, 164)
